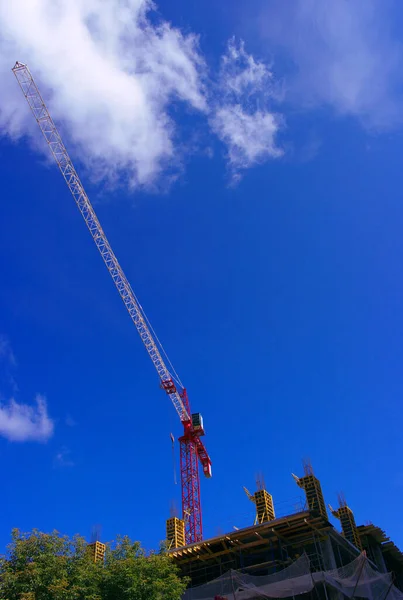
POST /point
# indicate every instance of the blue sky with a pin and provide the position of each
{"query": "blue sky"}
(245, 163)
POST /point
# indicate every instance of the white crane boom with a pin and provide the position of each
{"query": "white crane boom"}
(61, 156)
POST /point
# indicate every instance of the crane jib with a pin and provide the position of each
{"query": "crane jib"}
(191, 446)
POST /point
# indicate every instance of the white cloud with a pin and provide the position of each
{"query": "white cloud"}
(69, 421)
(110, 71)
(6, 352)
(22, 423)
(240, 72)
(8, 364)
(242, 118)
(250, 137)
(344, 53)
(63, 458)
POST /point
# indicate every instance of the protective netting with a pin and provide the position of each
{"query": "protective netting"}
(357, 579)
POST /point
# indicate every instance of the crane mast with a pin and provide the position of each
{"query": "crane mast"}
(192, 449)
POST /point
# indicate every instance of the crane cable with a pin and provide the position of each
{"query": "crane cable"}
(173, 458)
(173, 372)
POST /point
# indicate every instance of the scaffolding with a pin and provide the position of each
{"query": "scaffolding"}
(265, 548)
(272, 545)
(358, 579)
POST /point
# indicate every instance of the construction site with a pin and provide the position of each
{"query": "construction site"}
(301, 553)
(275, 557)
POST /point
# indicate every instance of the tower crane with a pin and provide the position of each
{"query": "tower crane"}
(192, 449)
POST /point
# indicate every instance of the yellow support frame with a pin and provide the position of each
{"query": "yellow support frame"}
(313, 492)
(264, 506)
(97, 551)
(348, 525)
(175, 533)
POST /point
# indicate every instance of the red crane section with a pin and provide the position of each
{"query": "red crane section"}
(192, 449)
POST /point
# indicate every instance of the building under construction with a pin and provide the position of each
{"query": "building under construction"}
(301, 553)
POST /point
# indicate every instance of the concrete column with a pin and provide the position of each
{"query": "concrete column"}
(378, 557)
(329, 561)
(328, 556)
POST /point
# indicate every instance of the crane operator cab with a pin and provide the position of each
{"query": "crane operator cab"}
(197, 422)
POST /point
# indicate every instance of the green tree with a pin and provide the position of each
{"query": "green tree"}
(132, 574)
(40, 566)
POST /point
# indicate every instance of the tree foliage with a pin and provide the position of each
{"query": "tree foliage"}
(41, 566)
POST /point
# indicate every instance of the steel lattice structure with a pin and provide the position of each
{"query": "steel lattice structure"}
(192, 448)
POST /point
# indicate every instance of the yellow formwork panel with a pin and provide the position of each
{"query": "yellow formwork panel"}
(313, 492)
(348, 525)
(97, 551)
(175, 532)
(264, 506)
